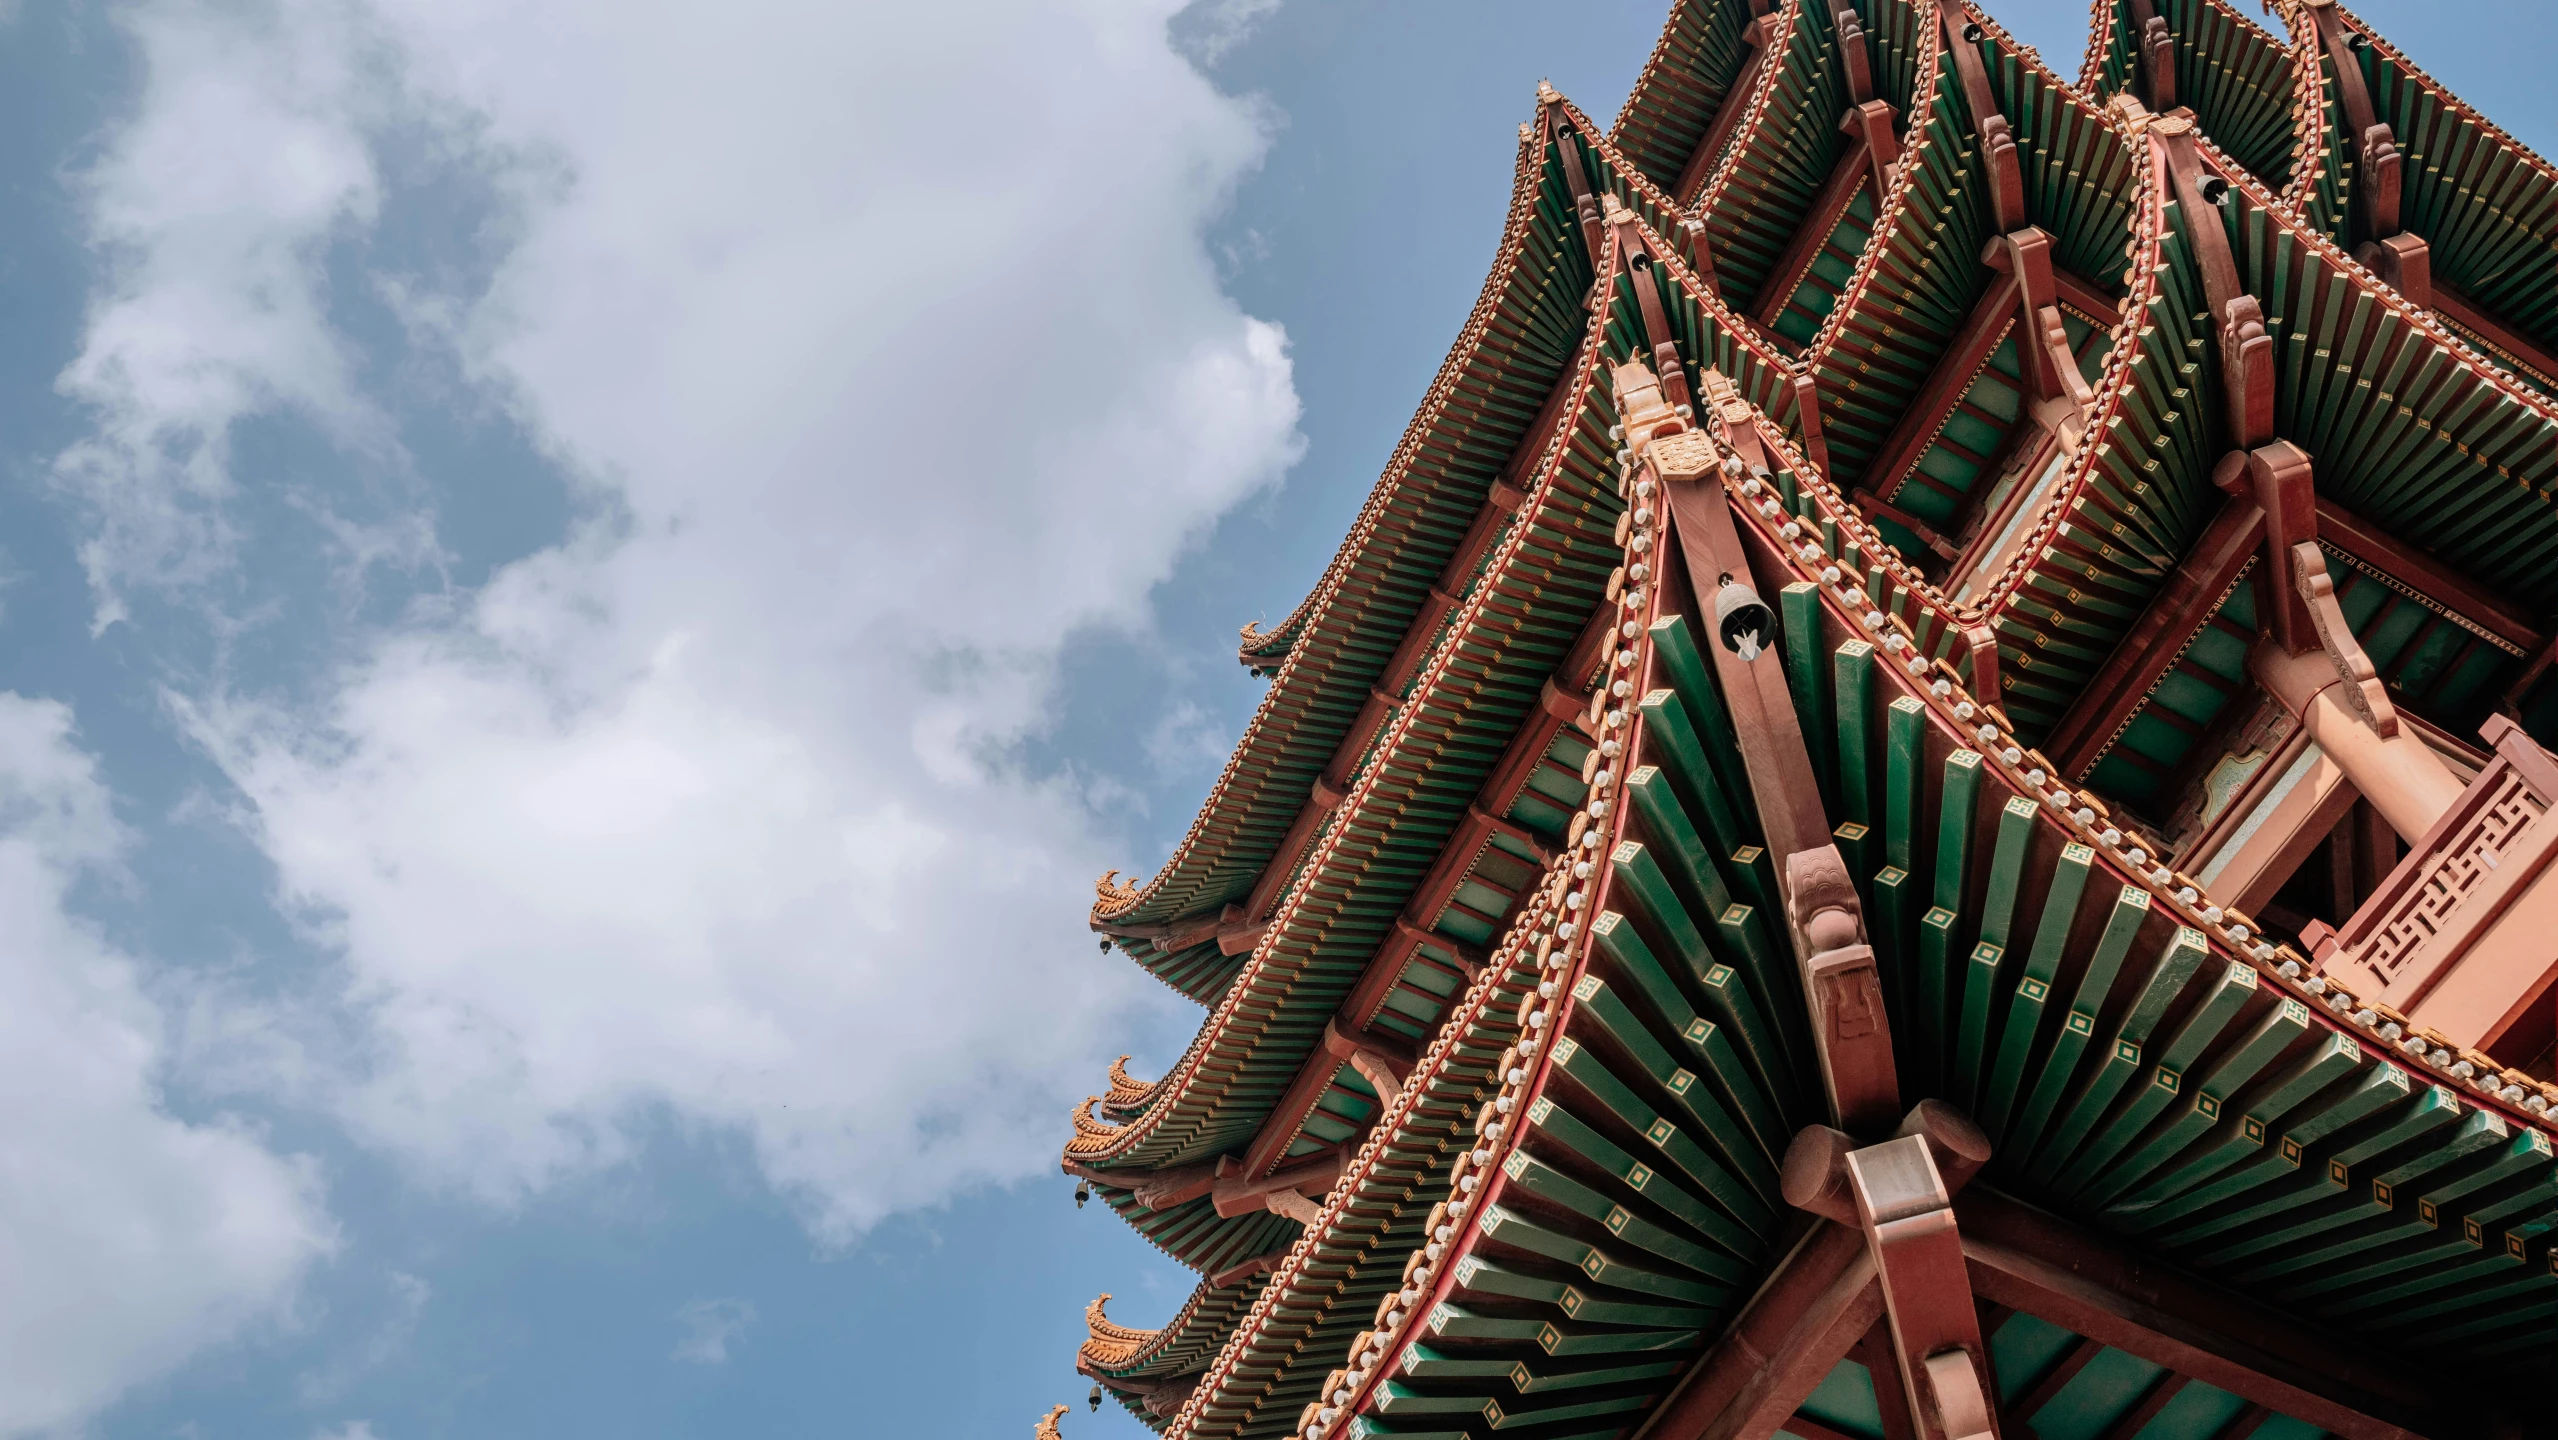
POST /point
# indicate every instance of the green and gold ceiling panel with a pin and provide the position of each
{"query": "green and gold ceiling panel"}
(2404, 427)
(2241, 82)
(1685, 83)
(1975, 447)
(1817, 290)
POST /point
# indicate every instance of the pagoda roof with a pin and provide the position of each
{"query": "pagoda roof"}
(1480, 679)
(1413, 904)
(1472, 421)
(1916, 287)
(1544, 1228)
(1273, 1013)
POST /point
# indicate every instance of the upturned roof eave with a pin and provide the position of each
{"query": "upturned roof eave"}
(1273, 763)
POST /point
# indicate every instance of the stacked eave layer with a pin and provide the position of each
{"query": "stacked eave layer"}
(2133, 495)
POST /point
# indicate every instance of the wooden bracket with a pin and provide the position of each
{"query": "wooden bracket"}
(1671, 371)
(2246, 351)
(1236, 1193)
(2405, 261)
(1773, 752)
(1907, 1214)
(2378, 182)
(2361, 683)
(1807, 414)
(1853, 56)
(1850, 1030)
(1585, 203)
(1900, 1195)
(2279, 477)
(1981, 642)
(1871, 123)
(2026, 256)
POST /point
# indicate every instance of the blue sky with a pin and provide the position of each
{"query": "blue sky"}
(583, 591)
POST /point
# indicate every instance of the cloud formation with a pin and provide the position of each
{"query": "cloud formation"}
(710, 1327)
(886, 352)
(129, 1238)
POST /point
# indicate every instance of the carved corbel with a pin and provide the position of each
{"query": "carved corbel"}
(1853, 59)
(2359, 681)
(2042, 343)
(2381, 178)
(2403, 260)
(2158, 62)
(2279, 478)
(1845, 987)
(2247, 369)
(1871, 123)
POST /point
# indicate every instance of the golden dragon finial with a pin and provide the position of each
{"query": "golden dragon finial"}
(1048, 1428)
(1112, 891)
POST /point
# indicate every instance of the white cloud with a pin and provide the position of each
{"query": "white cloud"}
(129, 1239)
(889, 346)
(352, 1430)
(710, 1327)
(1208, 29)
(211, 216)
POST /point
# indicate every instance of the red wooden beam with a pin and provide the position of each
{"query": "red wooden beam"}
(1802, 1321)
(2084, 1283)
(2181, 606)
(2436, 580)
(2461, 311)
